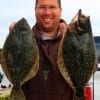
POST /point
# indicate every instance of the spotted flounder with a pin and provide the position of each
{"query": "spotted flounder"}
(19, 57)
(77, 57)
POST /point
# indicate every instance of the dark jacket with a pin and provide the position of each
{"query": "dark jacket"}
(48, 83)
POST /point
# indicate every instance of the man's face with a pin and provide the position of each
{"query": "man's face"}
(48, 14)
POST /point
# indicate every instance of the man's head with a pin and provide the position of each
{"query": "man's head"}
(59, 2)
(48, 13)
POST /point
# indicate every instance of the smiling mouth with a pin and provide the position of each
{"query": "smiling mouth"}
(47, 19)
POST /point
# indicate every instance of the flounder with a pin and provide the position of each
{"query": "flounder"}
(77, 57)
(19, 57)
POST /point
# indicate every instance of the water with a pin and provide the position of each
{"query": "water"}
(5, 81)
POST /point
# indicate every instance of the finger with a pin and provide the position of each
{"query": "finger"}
(12, 26)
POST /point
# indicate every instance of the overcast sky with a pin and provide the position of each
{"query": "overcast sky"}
(13, 10)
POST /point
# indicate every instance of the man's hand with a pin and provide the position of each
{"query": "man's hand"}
(12, 26)
(63, 27)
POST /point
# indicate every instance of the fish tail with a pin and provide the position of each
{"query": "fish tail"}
(79, 98)
(16, 95)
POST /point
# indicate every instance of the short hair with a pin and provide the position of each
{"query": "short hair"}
(59, 2)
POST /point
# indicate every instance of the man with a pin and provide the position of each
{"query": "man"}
(48, 84)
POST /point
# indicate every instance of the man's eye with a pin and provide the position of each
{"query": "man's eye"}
(53, 8)
(42, 7)
(50, 8)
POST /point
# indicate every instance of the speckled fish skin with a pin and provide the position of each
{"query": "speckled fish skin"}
(79, 56)
(18, 56)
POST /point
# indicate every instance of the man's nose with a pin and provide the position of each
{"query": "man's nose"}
(47, 10)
